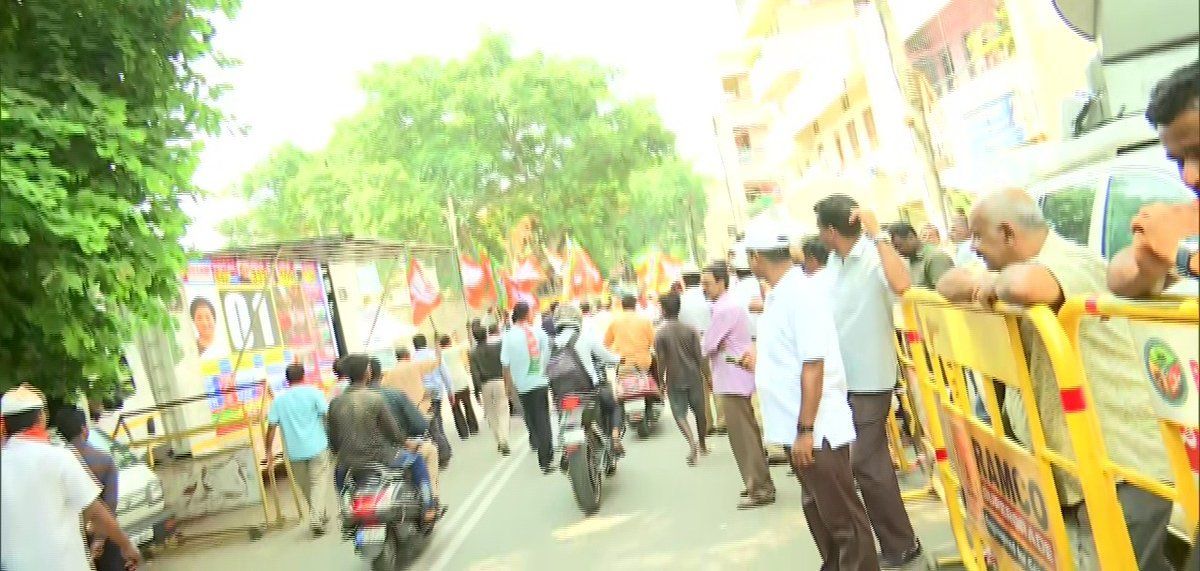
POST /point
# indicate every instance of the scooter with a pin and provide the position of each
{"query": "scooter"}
(587, 452)
(382, 512)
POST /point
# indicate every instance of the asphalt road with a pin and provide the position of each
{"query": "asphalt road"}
(657, 513)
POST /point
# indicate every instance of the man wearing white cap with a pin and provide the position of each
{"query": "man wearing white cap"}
(44, 489)
(802, 387)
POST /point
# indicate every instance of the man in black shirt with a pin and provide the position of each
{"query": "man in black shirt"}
(488, 376)
(679, 358)
(362, 432)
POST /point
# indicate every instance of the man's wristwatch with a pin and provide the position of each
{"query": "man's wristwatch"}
(803, 429)
(1188, 248)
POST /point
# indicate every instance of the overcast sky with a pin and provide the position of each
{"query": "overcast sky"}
(301, 60)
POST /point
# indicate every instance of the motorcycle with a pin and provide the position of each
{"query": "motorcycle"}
(587, 452)
(381, 512)
(639, 398)
(642, 414)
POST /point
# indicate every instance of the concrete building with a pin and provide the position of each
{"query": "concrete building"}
(813, 105)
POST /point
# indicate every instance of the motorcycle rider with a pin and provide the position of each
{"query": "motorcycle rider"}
(363, 432)
(410, 419)
(631, 335)
(591, 351)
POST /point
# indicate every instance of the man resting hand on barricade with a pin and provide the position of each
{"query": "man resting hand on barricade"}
(1030, 264)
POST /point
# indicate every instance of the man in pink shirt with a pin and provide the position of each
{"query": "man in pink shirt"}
(725, 343)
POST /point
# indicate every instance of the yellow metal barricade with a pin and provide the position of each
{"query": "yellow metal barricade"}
(1167, 337)
(1003, 503)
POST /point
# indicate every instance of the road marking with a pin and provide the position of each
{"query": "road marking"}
(495, 486)
(456, 514)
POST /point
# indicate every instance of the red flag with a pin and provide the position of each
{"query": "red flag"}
(489, 281)
(517, 292)
(422, 292)
(529, 273)
(476, 281)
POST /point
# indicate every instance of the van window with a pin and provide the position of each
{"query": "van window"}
(1068, 210)
(1128, 191)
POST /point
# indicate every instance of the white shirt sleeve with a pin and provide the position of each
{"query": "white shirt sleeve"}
(811, 323)
(79, 487)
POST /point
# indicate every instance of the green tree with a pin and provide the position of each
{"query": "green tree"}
(504, 136)
(100, 104)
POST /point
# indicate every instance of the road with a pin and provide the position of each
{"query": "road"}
(657, 513)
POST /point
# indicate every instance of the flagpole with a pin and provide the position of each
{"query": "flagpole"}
(453, 221)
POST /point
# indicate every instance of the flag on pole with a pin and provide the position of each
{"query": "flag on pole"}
(477, 281)
(528, 272)
(582, 277)
(422, 292)
(656, 271)
(516, 292)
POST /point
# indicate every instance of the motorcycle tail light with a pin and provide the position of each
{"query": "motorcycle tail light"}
(570, 402)
(364, 507)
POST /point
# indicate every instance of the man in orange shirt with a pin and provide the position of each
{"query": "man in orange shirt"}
(407, 378)
(631, 335)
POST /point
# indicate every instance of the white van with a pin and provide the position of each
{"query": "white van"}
(141, 505)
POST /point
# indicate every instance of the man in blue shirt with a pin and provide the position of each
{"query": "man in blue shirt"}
(437, 384)
(524, 350)
(300, 410)
(71, 423)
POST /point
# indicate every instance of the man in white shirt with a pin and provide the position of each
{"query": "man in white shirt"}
(802, 386)
(44, 492)
(866, 274)
(746, 289)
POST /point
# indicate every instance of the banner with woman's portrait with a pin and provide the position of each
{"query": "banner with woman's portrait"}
(249, 320)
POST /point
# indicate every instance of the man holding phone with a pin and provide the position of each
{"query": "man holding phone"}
(725, 343)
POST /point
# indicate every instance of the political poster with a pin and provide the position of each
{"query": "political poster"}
(250, 319)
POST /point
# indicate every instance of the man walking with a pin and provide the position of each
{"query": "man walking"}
(45, 494)
(488, 376)
(437, 384)
(524, 350)
(725, 343)
(799, 374)
(680, 369)
(454, 363)
(696, 310)
(300, 410)
(865, 276)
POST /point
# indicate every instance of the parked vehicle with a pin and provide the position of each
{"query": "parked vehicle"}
(381, 512)
(587, 452)
(141, 506)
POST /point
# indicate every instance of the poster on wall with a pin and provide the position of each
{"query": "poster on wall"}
(250, 319)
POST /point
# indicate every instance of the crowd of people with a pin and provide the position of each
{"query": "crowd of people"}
(785, 346)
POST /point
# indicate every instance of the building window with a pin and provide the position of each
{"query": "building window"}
(816, 128)
(852, 131)
(869, 124)
(947, 67)
(837, 140)
(845, 102)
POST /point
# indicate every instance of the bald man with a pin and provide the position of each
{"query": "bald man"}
(1030, 264)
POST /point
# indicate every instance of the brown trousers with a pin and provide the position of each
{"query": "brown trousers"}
(876, 476)
(745, 438)
(836, 518)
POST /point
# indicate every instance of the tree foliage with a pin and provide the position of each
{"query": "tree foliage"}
(99, 105)
(504, 136)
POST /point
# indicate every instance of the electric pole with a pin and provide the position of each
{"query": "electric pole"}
(917, 118)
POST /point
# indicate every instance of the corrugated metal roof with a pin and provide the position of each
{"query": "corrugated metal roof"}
(330, 249)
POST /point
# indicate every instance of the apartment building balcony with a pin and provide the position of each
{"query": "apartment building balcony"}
(755, 165)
